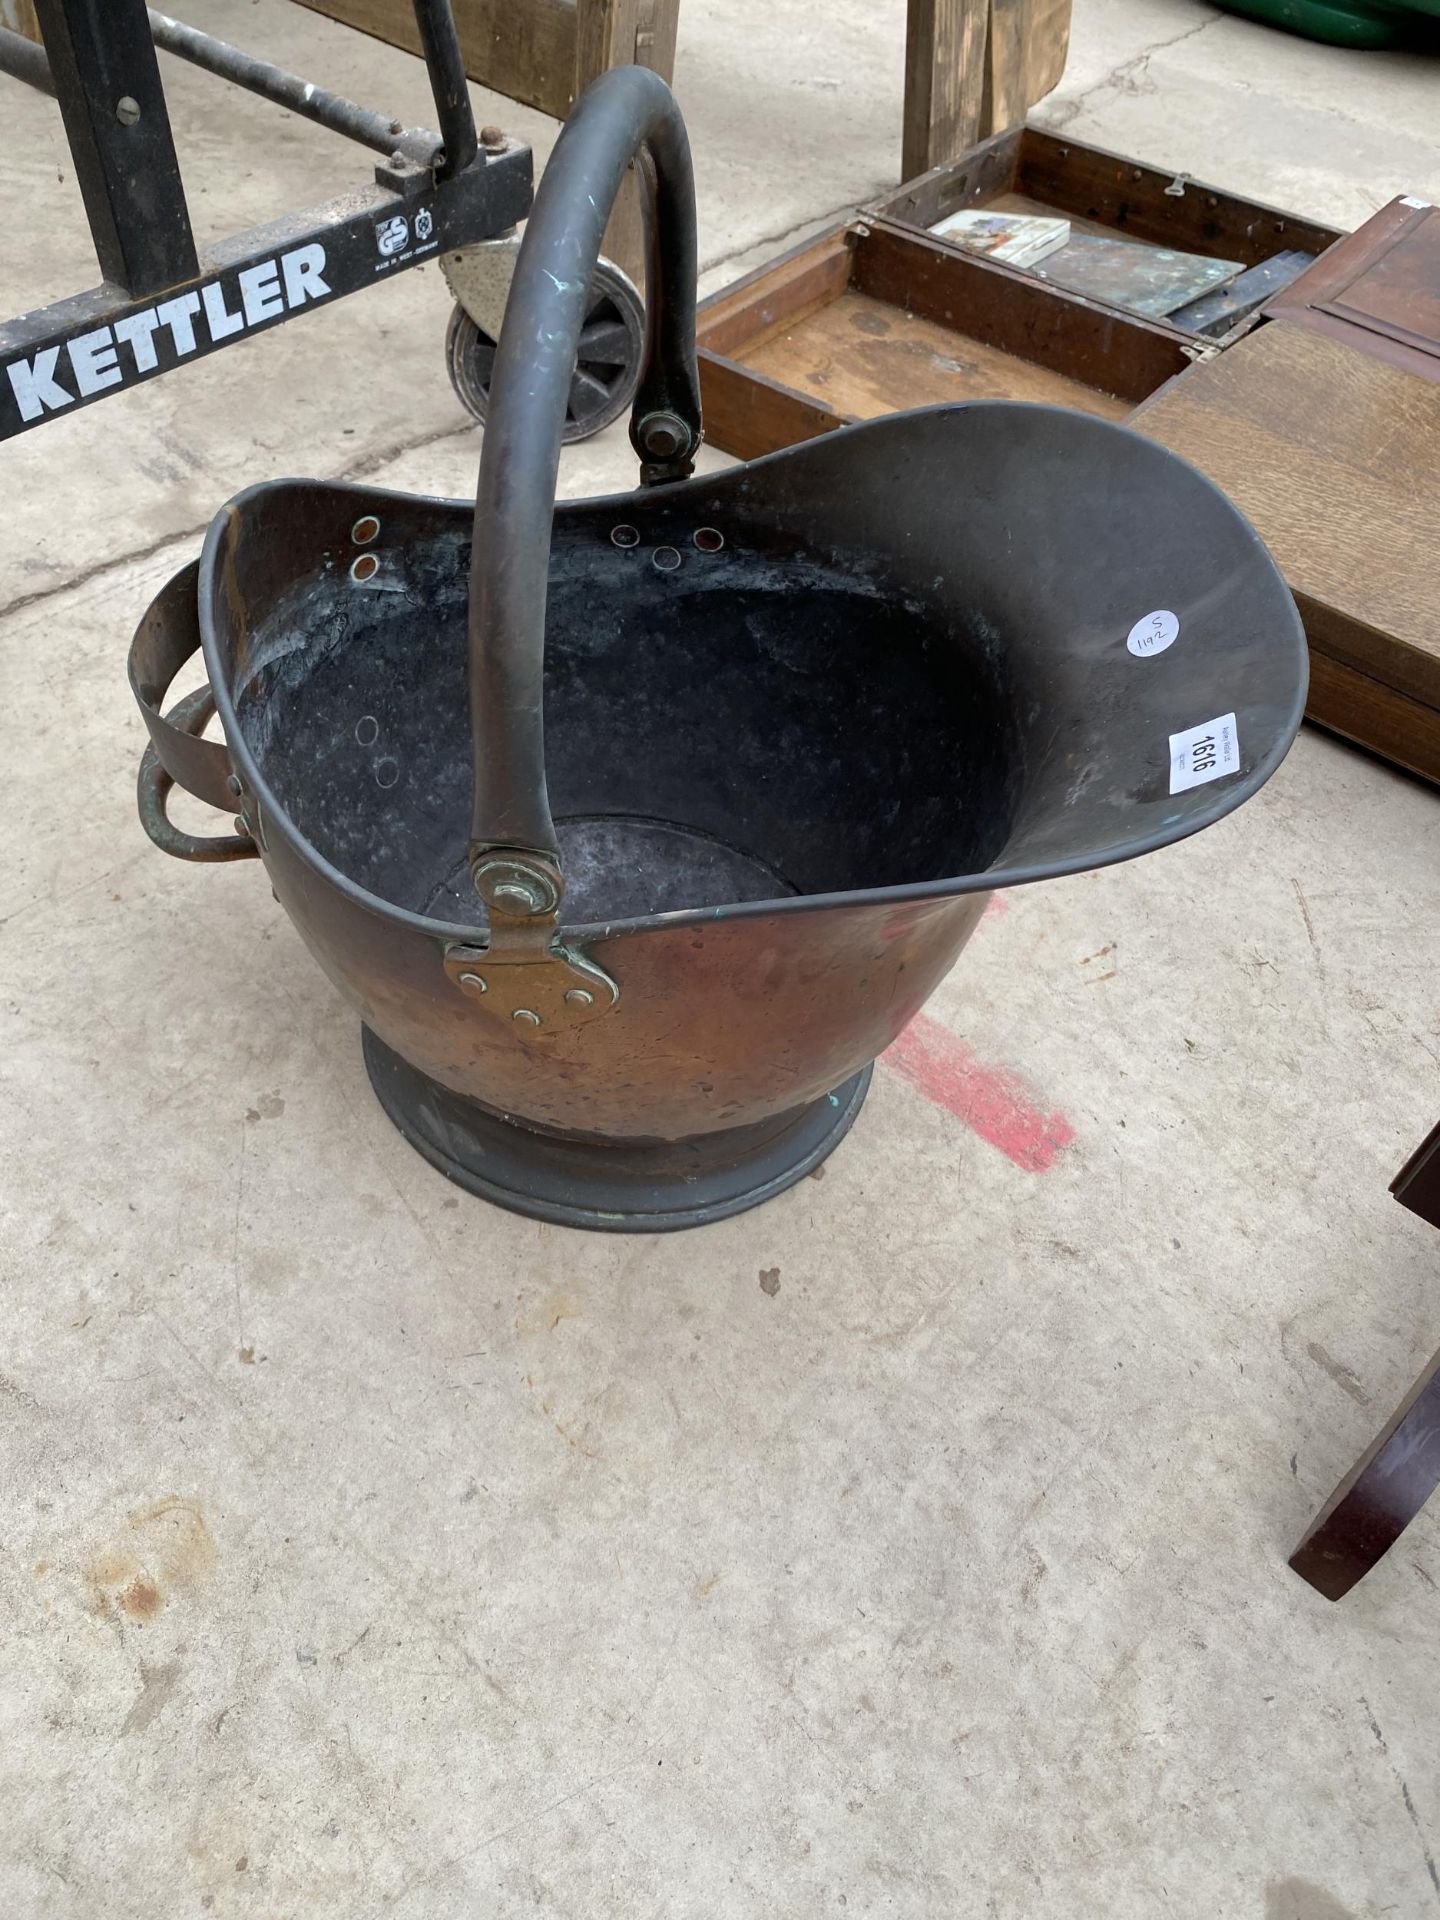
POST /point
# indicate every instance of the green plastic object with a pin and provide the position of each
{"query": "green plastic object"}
(1349, 23)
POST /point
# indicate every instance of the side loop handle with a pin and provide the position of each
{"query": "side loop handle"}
(168, 635)
(153, 791)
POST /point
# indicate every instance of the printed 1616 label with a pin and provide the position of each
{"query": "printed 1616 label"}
(1206, 752)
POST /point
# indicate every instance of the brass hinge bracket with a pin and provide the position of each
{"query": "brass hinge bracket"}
(539, 994)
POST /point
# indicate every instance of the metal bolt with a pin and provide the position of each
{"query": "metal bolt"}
(515, 889)
(526, 1017)
(514, 897)
(127, 110)
(580, 997)
(242, 827)
(492, 137)
(475, 982)
(397, 159)
(233, 783)
(664, 434)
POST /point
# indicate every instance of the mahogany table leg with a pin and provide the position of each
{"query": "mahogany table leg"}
(1379, 1497)
(1417, 1185)
(1392, 1480)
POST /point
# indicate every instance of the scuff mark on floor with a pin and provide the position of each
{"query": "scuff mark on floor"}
(156, 1686)
(1344, 1377)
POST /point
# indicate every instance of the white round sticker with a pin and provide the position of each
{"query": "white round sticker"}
(1152, 634)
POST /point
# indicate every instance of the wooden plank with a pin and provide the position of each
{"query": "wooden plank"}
(944, 80)
(1366, 711)
(19, 17)
(747, 414)
(1022, 203)
(1107, 192)
(1400, 291)
(1081, 340)
(525, 51)
(1332, 454)
(620, 33)
(976, 179)
(776, 295)
(1024, 58)
(1378, 290)
(1069, 177)
(863, 357)
(655, 41)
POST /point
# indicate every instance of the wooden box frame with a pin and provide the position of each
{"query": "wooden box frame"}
(1047, 335)
(1043, 172)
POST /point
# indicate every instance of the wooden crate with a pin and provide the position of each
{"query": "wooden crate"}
(870, 319)
(1026, 171)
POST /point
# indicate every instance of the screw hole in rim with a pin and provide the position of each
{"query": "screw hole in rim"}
(364, 568)
(365, 529)
(666, 558)
(623, 536)
(708, 539)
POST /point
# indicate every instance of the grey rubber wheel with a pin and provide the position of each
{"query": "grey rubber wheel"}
(607, 368)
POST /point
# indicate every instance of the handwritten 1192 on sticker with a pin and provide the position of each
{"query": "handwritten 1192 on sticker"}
(1152, 633)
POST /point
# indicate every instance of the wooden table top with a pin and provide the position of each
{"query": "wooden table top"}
(1334, 456)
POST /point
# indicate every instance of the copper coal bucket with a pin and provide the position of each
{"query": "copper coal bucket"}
(636, 828)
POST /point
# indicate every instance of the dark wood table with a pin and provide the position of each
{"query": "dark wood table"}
(1398, 1472)
(1323, 426)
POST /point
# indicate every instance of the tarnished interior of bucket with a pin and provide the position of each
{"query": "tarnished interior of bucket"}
(889, 658)
(901, 655)
(726, 718)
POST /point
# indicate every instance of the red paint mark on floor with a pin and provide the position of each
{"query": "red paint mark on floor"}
(991, 1101)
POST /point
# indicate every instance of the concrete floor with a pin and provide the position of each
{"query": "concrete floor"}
(365, 1550)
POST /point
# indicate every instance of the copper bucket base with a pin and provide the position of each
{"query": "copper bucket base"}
(615, 1186)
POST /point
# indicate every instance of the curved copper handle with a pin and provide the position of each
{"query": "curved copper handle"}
(627, 114)
(153, 790)
(168, 635)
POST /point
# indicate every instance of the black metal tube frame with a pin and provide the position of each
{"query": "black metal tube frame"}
(432, 192)
(26, 60)
(331, 110)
